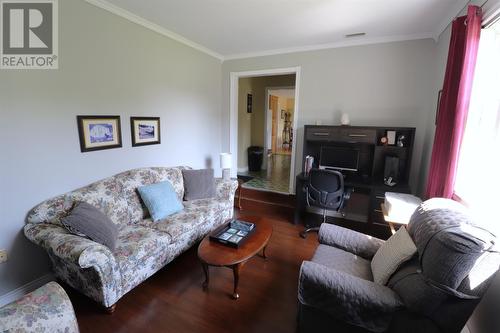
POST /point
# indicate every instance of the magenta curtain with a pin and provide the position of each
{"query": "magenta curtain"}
(454, 104)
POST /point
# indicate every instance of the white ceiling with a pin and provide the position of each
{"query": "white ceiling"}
(239, 28)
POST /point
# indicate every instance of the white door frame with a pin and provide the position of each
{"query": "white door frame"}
(233, 112)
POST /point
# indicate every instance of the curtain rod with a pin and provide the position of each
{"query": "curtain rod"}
(466, 5)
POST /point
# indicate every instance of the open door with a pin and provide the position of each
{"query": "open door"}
(273, 106)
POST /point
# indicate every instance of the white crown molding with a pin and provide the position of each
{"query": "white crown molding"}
(449, 17)
(346, 43)
(152, 26)
(103, 4)
(16, 294)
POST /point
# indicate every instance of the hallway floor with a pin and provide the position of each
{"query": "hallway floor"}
(274, 179)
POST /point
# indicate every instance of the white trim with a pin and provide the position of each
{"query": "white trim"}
(233, 111)
(243, 170)
(16, 294)
(334, 45)
(103, 4)
(245, 185)
(295, 125)
(491, 12)
(449, 17)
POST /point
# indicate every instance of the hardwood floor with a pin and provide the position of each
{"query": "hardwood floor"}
(173, 300)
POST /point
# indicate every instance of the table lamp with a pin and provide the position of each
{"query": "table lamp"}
(225, 165)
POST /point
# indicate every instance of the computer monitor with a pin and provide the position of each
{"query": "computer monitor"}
(339, 158)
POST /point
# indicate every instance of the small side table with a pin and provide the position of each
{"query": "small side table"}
(391, 221)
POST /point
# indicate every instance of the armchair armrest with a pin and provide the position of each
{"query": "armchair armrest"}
(348, 298)
(349, 240)
(46, 309)
(225, 189)
(80, 252)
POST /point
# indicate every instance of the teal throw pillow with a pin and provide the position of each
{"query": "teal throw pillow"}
(160, 199)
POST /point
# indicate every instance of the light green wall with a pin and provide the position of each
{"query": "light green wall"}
(111, 66)
(389, 84)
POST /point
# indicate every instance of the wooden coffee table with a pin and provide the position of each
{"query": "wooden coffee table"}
(212, 253)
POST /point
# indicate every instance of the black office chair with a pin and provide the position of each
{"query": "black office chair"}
(325, 189)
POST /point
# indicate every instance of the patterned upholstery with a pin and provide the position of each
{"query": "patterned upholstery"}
(143, 247)
(47, 309)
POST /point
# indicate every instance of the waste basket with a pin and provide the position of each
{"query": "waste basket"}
(255, 156)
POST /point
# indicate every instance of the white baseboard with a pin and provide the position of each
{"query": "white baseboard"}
(16, 294)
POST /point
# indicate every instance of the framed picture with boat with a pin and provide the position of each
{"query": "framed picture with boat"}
(145, 131)
(99, 132)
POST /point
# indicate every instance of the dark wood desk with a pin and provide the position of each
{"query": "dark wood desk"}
(367, 181)
(375, 190)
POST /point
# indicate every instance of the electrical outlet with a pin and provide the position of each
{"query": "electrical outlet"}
(3, 256)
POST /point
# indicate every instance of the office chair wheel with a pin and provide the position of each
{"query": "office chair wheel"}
(304, 233)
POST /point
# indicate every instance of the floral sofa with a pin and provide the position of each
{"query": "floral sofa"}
(47, 309)
(143, 247)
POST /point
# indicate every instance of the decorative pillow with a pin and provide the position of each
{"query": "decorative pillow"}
(160, 199)
(395, 251)
(198, 184)
(89, 221)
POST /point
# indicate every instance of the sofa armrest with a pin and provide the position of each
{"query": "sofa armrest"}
(46, 309)
(349, 240)
(225, 189)
(346, 297)
(78, 251)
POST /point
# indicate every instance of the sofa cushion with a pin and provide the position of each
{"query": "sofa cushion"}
(131, 180)
(343, 261)
(398, 249)
(136, 242)
(106, 195)
(198, 184)
(87, 220)
(207, 205)
(136, 246)
(198, 217)
(161, 200)
(179, 224)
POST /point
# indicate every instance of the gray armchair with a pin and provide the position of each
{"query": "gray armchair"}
(436, 291)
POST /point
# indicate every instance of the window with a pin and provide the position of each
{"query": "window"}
(478, 175)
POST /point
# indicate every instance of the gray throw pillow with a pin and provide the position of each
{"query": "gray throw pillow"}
(198, 184)
(87, 220)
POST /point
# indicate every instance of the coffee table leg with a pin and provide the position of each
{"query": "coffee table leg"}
(205, 269)
(236, 273)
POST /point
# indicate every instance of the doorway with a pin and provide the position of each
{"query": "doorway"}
(263, 117)
(279, 136)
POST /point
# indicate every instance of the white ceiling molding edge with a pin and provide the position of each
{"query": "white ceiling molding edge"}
(454, 12)
(346, 43)
(103, 4)
(153, 26)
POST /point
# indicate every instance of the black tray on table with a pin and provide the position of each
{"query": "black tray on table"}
(234, 233)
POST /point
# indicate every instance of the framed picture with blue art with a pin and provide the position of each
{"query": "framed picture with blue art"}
(99, 132)
(145, 131)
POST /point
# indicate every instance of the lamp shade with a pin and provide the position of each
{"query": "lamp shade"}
(225, 160)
